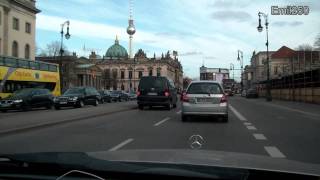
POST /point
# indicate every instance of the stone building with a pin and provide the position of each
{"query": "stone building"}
(121, 72)
(17, 28)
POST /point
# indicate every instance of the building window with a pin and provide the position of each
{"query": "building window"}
(15, 23)
(150, 72)
(140, 74)
(27, 51)
(158, 72)
(275, 70)
(130, 74)
(15, 49)
(28, 28)
(0, 18)
(122, 74)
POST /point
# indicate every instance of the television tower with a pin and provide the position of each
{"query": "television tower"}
(131, 29)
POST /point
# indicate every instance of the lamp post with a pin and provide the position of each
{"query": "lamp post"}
(232, 69)
(260, 28)
(67, 36)
(240, 59)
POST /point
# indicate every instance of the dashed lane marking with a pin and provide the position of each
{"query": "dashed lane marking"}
(178, 112)
(251, 127)
(274, 152)
(162, 121)
(121, 144)
(239, 116)
(247, 123)
(259, 137)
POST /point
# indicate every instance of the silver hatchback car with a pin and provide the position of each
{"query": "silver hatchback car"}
(204, 98)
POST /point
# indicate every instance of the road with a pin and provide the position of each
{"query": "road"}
(277, 129)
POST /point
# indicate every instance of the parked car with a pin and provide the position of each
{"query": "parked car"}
(118, 95)
(105, 96)
(252, 93)
(132, 95)
(78, 97)
(156, 91)
(26, 99)
(204, 98)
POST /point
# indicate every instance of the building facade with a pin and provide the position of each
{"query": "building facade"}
(214, 74)
(17, 28)
(259, 66)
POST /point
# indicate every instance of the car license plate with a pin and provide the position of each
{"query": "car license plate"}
(63, 102)
(204, 100)
(152, 94)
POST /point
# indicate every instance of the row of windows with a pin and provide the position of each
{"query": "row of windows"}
(12, 86)
(15, 50)
(16, 24)
(140, 73)
(19, 63)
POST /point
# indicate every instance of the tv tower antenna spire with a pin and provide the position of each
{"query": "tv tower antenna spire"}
(131, 28)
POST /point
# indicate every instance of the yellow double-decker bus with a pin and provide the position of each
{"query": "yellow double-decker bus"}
(18, 73)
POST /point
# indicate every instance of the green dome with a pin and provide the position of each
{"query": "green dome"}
(117, 51)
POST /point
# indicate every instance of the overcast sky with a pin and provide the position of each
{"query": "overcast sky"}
(209, 31)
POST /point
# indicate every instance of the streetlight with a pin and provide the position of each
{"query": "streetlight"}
(260, 28)
(240, 59)
(67, 36)
(232, 69)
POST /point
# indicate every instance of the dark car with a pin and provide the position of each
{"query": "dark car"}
(27, 98)
(252, 93)
(119, 96)
(132, 95)
(156, 91)
(105, 96)
(78, 97)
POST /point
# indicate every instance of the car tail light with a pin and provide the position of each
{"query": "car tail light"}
(184, 97)
(223, 99)
(166, 93)
(138, 93)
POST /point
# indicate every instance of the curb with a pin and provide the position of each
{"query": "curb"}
(48, 124)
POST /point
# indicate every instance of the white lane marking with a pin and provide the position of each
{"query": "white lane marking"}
(178, 112)
(247, 123)
(162, 121)
(274, 152)
(121, 144)
(259, 137)
(251, 127)
(239, 116)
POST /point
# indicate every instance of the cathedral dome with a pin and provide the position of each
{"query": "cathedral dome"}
(116, 51)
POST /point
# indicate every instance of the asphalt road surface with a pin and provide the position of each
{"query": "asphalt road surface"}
(278, 129)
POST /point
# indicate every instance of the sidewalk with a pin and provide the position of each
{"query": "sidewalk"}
(12, 122)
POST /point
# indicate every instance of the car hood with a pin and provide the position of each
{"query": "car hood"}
(210, 158)
(14, 98)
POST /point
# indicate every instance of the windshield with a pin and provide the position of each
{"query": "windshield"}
(22, 92)
(74, 91)
(232, 76)
(204, 88)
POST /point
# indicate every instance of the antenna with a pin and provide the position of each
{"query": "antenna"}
(130, 9)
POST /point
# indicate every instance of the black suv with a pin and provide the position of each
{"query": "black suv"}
(156, 91)
(78, 97)
(26, 99)
(105, 96)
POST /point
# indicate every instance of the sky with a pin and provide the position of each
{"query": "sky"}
(208, 32)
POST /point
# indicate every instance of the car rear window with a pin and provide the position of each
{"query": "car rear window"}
(152, 82)
(204, 88)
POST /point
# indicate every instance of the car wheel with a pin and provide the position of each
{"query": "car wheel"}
(49, 106)
(168, 107)
(102, 101)
(184, 118)
(225, 119)
(96, 103)
(140, 107)
(57, 107)
(174, 105)
(3, 111)
(81, 104)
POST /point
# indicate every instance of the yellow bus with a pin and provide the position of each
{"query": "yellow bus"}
(16, 73)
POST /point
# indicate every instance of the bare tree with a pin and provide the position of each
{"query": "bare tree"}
(53, 49)
(317, 42)
(304, 47)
